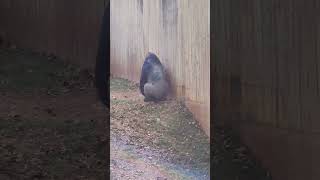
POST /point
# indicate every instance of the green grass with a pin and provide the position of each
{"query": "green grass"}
(119, 84)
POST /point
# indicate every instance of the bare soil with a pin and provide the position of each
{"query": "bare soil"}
(51, 124)
(154, 140)
(163, 141)
(53, 127)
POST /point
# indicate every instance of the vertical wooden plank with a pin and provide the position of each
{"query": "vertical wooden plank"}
(54, 26)
(178, 32)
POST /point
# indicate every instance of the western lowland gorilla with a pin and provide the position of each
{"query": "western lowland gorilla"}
(153, 81)
(103, 58)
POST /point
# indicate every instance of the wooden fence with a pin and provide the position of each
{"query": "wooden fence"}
(178, 32)
(66, 28)
(266, 74)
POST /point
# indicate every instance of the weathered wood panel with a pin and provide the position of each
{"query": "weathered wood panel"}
(178, 32)
(266, 74)
(68, 29)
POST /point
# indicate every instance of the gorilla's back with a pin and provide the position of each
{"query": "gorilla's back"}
(156, 74)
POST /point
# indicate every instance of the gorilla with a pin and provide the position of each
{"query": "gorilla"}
(103, 58)
(153, 81)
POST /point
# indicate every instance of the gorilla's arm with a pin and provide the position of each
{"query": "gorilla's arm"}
(146, 70)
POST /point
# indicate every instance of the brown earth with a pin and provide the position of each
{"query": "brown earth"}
(147, 138)
(53, 127)
(44, 136)
(51, 124)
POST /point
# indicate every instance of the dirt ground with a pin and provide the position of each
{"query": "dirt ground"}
(163, 141)
(154, 140)
(53, 127)
(51, 124)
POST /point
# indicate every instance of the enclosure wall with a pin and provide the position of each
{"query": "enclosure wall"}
(178, 32)
(66, 28)
(267, 80)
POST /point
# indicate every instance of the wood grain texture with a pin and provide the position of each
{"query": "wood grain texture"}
(68, 29)
(272, 48)
(269, 51)
(178, 31)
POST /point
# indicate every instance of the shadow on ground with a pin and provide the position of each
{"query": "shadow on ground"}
(51, 125)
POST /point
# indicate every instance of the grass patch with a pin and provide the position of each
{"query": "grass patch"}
(119, 84)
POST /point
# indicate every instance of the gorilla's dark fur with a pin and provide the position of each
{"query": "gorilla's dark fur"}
(103, 58)
(153, 81)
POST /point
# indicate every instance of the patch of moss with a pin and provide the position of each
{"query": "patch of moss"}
(120, 84)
